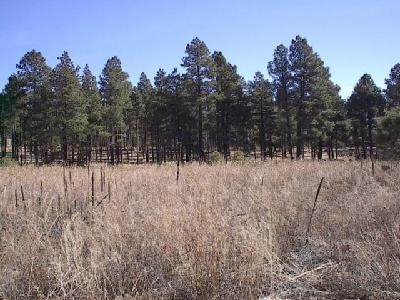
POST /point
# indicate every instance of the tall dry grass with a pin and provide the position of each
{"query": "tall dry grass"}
(221, 232)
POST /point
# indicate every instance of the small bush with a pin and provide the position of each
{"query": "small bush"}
(238, 156)
(216, 157)
(7, 162)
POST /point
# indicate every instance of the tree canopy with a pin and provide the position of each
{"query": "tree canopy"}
(64, 114)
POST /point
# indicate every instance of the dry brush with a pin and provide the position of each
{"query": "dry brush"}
(235, 231)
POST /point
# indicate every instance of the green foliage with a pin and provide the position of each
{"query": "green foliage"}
(115, 91)
(216, 157)
(389, 134)
(314, 96)
(7, 162)
(225, 111)
(198, 63)
(92, 102)
(263, 112)
(393, 86)
(36, 115)
(210, 106)
(69, 103)
(279, 70)
(238, 156)
(365, 104)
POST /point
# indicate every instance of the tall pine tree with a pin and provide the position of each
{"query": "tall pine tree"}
(70, 108)
(115, 91)
(197, 63)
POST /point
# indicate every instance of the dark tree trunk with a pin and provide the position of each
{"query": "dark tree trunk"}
(364, 149)
(36, 153)
(200, 141)
(4, 143)
(371, 154)
(320, 148)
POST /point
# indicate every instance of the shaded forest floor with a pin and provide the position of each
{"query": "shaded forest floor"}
(235, 231)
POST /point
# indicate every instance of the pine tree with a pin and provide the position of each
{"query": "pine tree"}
(314, 96)
(115, 90)
(198, 73)
(303, 67)
(263, 113)
(94, 109)
(10, 115)
(37, 118)
(179, 116)
(393, 86)
(159, 113)
(70, 107)
(5, 116)
(279, 70)
(364, 105)
(145, 94)
(227, 87)
(389, 134)
(242, 122)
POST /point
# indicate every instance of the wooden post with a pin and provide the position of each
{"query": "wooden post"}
(109, 192)
(177, 164)
(92, 188)
(41, 192)
(373, 166)
(16, 198)
(23, 197)
(65, 183)
(101, 179)
(313, 210)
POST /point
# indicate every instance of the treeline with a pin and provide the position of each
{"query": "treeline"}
(65, 114)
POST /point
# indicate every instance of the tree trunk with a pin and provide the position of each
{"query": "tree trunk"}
(364, 150)
(200, 141)
(320, 147)
(4, 143)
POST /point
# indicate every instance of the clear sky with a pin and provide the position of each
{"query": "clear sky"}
(353, 37)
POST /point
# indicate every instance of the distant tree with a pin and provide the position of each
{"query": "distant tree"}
(69, 107)
(315, 98)
(10, 115)
(263, 112)
(243, 136)
(145, 94)
(5, 116)
(37, 117)
(197, 63)
(158, 124)
(393, 86)
(180, 118)
(389, 133)
(94, 109)
(115, 90)
(227, 87)
(279, 70)
(364, 105)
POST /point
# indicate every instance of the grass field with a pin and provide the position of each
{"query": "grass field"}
(235, 231)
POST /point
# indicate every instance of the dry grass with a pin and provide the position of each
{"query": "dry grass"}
(222, 232)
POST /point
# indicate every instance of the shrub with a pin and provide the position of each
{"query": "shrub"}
(7, 162)
(216, 157)
(238, 156)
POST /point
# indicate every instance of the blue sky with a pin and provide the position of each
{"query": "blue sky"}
(353, 37)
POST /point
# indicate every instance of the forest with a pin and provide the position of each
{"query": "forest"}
(66, 114)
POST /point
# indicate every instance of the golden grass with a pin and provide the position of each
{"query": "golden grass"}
(222, 232)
